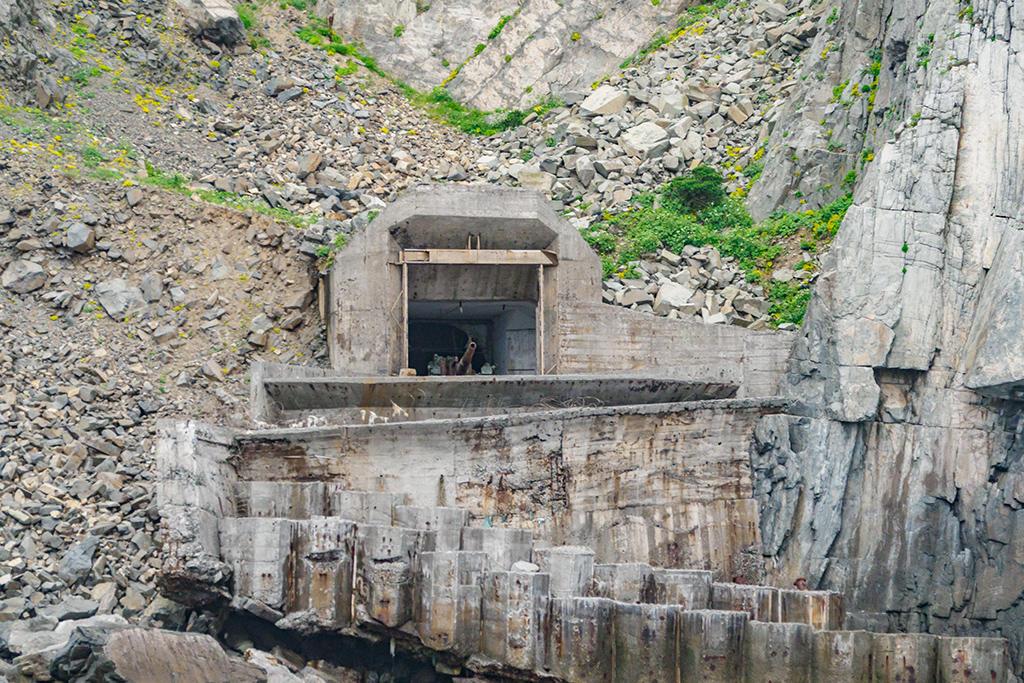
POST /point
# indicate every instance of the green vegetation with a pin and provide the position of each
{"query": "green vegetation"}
(247, 13)
(833, 17)
(924, 50)
(91, 157)
(695, 210)
(399, 30)
(440, 105)
(496, 31)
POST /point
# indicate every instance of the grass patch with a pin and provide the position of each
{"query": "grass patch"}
(695, 210)
(92, 157)
(440, 105)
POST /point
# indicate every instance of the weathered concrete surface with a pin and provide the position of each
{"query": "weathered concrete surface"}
(365, 315)
(603, 477)
(601, 338)
(503, 601)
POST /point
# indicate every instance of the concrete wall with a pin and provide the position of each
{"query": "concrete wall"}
(601, 338)
(665, 484)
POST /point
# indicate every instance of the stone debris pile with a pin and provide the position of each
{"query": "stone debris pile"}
(697, 283)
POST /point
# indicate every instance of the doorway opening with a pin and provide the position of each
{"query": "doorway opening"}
(505, 334)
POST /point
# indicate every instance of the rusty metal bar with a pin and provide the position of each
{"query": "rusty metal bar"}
(540, 320)
(489, 257)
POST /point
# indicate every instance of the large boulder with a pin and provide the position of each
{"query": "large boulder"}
(118, 299)
(23, 277)
(213, 20)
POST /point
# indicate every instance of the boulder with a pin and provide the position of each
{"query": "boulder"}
(23, 277)
(671, 295)
(80, 237)
(605, 100)
(213, 20)
(118, 299)
(639, 140)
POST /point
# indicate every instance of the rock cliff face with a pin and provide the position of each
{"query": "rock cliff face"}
(544, 46)
(900, 479)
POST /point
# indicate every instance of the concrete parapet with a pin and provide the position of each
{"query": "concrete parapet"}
(632, 582)
(760, 602)
(579, 643)
(258, 550)
(842, 657)
(445, 523)
(690, 588)
(972, 660)
(821, 609)
(365, 507)
(711, 646)
(645, 643)
(386, 560)
(778, 652)
(449, 600)
(503, 547)
(902, 657)
(513, 604)
(321, 583)
(571, 568)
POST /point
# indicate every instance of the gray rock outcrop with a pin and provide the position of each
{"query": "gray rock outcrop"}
(898, 480)
(543, 47)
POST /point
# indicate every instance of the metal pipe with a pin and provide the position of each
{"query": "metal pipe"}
(465, 365)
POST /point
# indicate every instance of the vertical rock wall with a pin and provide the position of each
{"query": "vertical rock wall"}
(900, 480)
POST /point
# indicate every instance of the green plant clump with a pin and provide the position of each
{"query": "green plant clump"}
(399, 30)
(694, 209)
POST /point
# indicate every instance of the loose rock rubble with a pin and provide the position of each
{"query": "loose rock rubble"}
(698, 282)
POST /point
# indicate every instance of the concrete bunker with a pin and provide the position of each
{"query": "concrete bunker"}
(442, 267)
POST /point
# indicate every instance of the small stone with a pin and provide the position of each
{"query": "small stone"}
(134, 195)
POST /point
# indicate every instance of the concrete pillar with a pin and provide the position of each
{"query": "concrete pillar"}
(690, 588)
(903, 657)
(386, 569)
(842, 657)
(363, 506)
(777, 653)
(323, 551)
(579, 640)
(760, 602)
(625, 582)
(645, 643)
(973, 660)
(258, 551)
(711, 646)
(446, 523)
(571, 568)
(446, 618)
(514, 605)
(291, 500)
(503, 547)
(821, 609)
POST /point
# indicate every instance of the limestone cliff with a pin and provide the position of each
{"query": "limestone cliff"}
(899, 479)
(530, 47)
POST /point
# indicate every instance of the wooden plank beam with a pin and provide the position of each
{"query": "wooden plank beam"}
(488, 257)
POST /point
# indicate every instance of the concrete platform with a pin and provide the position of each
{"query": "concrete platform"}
(282, 395)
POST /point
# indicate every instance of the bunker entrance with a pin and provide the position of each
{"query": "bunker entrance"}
(505, 334)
